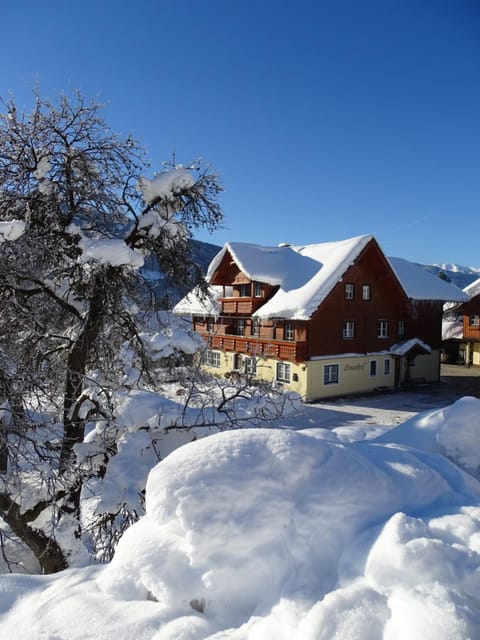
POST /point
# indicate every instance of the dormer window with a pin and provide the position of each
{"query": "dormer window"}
(258, 290)
(475, 320)
(349, 291)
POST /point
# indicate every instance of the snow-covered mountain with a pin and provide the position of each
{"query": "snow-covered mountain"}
(456, 274)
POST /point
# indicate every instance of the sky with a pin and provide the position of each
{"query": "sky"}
(324, 119)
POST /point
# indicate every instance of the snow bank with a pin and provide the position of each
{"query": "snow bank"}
(453, 431)
(273, 534)
(280, 534)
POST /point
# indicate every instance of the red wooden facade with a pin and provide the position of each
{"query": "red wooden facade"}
(367, 311)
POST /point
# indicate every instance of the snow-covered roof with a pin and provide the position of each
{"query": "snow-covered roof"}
(473, 289)
(402, 348)
(197, 304)
(305, 274)
(419, 284)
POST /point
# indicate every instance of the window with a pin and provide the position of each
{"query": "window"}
(373, 368)
(283, 371)
(349, 291)
(475, 320)
(386, 367)
(245, 290)
(366, 292)
(240, 327)
(212, 358)
(258, 290)
(250, 366)
(289, 332)
(348, 329)
(401, 327)
(210, 325)
(382, 329)
(255, 327)
(330, 374)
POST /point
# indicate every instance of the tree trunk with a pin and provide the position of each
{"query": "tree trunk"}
(46, 549)
(73, 425)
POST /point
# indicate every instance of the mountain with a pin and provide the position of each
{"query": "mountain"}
(456, 274)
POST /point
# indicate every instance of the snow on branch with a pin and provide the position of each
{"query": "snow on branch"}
(11, 230)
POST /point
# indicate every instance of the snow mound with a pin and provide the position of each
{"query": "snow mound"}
(279, 534)
(453, 431)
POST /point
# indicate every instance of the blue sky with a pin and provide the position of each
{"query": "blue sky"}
(324, 119)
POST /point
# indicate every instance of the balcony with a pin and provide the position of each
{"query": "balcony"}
(243, 306)
(256, 347)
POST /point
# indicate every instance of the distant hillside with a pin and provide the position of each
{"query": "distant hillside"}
(204, 253)
(456, 274)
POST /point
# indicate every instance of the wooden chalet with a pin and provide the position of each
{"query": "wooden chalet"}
(461, 328)
(324, 320)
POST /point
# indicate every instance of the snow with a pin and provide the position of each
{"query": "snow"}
(306, 274)
(197, 303)
(166, 185)
(11, 230)
(402, 348)
(419, 284)
(109, 251)
(473, 289)
(286, 534)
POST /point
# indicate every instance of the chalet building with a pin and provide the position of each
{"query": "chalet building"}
(461, 328)
(324, 319)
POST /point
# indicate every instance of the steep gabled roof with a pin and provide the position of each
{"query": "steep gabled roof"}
(306, 274)
(332, 259)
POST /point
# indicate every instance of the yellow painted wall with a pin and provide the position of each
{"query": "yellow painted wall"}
(353, 376)
(307, 379)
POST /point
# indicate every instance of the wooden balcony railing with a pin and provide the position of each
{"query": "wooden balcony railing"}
(283, 350)
(244, 306)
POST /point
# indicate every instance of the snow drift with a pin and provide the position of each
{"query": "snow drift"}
(263, 534)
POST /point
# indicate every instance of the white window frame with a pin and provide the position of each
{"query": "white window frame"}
(289, 332)
(257, 290)
(212, 358)
(382, 328)
(256, 327)
(349, 291)
(349, 329)
(331, 374)
(474, 320)
(284, 372)
(366, 292)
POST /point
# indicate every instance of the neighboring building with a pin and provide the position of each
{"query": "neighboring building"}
(461, 328)
(323, 319)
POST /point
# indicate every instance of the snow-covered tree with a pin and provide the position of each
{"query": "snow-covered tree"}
(78, 216)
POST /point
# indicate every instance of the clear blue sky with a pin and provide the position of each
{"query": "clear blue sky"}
(324, 118)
